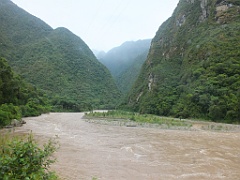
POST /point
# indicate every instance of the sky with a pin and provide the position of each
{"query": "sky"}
(103, 24)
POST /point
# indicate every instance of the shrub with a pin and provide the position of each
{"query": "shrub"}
(8, 112)
(23, 159)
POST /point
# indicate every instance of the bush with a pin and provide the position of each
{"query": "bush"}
(8, 112)
(23, 159)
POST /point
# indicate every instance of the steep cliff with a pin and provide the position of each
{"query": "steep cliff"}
(193, 66)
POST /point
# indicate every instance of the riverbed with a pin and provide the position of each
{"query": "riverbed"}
(93, 150)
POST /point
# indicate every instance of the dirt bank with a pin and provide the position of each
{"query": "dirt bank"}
(112, 152)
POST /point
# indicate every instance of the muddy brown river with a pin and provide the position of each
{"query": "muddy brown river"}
(90, 150)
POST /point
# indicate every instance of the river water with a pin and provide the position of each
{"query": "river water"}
(90, 150)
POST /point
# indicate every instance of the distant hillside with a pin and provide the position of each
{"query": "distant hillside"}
(125, 61)
(126, 79)
(99, 54)
(193, 66)
(56, 61)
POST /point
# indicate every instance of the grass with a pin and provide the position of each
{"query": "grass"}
(140, 118)
(7, 135)
(132, 119)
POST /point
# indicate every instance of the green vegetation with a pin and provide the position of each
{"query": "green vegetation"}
(125, 62)
(193, 67)
(139, 118)
(126, 79)
(17, 98)
(22, 158)
(56, 61)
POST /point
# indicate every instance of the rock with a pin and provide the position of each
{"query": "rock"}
(190, 1)
(16, 123)
(181, 20)
(23, 122)
(9, 126)
(131, 125)
(150, 79)
(203, 5)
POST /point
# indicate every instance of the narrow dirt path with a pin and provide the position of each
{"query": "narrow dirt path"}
(128, 153)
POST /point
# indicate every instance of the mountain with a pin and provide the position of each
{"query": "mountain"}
(193, 65)
(54, 60)
(125, 61)
(98, 54)
(126, 79)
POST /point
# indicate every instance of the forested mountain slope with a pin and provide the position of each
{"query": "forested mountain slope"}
(193, 66)
(125, 61)
(54, 60)
(18, 98)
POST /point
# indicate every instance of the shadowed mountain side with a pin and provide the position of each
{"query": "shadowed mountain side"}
(127, 78)
(120, 61)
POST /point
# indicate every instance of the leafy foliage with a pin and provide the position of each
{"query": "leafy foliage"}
(17, 98)
(9, 112)
(24, 159)
(193, 67)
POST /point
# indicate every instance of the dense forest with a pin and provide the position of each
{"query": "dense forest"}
(55, 61)
(193, 66)
(18, 98)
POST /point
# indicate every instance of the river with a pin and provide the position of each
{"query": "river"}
(90, 150)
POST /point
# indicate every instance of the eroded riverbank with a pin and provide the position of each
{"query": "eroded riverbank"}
(118, 152)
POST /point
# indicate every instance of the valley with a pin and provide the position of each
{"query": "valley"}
(190, 70)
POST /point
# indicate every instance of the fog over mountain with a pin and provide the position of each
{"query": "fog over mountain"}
(125, 61)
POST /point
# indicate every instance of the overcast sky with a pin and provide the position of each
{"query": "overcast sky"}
(103, 24)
